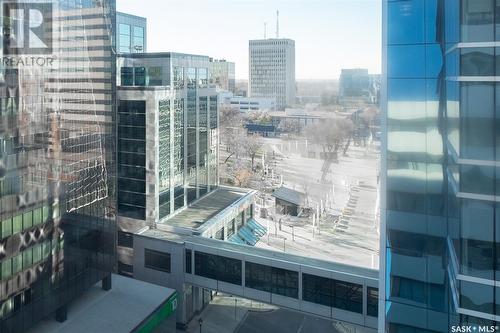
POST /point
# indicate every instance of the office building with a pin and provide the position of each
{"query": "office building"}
(249, 104)
(57, 133)
(272, 70)
(222, 74)
(357, 85)
(440, 166)
(168, 173)
(131, 33)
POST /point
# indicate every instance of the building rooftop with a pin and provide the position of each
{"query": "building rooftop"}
(253, 251)
(289, 195)
(118, 310)
(132, 16)
(165, 55)
(218, 202)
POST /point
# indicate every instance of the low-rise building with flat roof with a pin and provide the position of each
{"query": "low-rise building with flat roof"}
(130, 306)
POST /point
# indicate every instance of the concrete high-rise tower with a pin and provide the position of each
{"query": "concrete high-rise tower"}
(272, 70)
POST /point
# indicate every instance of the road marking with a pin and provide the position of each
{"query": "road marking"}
(299, 330)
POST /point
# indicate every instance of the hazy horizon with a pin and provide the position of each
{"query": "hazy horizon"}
(222, 28)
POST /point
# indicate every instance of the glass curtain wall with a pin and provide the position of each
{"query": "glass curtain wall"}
(57, 200)
(442, 186)
(416, 218)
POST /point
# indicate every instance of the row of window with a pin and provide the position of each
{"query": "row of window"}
(142, 76)
(339, 294)
(130, 39)
(131, 159)
(26, 259)
(320, 290)
(22, 222)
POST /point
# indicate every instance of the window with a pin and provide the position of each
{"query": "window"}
(342, 295)
(159, 261)
(17, 224)
(138, 39)
(249, 212)
(231, 229)
(406, 61)
(139, 76)
(348, 296)
(124, 38)
(477, 61)
(124, 29)
(477, 297)
(125, 239)
(271, 279)
(477, 239)
(317, 289)
(125, 269)
(217, 267)
(406, 22)
(477, 130)
(220, 234)
(155, 75)
(477, 20)
(189, 255)
(372, 301)
(258, 276)
(127, 76)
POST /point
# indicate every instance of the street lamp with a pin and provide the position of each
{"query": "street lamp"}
(200, 321)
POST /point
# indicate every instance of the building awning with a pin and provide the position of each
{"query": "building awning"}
(249, 234)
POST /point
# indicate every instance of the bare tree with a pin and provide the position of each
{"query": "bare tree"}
(331, 134)
(239, 173)
(229, 117)
(252, 145)
(235, 143)
(289, 126)
(231, 131)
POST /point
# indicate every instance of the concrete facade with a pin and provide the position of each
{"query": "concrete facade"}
(272, 70)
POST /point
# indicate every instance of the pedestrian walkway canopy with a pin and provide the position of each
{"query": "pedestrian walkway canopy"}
(249, 234)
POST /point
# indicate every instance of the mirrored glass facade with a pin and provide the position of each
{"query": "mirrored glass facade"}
(57, 202)
(441, 165)
(222, 74)
(131, 33)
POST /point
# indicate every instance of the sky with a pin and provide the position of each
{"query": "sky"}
(329, 34)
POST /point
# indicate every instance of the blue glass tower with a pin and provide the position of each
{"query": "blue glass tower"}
(440, 206)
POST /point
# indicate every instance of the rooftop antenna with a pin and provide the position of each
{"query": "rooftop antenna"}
(265, 30)
(277, 24)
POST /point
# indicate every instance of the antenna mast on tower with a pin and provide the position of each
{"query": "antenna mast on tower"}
(277, 24)
(265, 30)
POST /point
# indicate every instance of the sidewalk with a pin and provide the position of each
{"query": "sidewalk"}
(220, 315)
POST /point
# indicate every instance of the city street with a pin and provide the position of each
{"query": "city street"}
(221, 316)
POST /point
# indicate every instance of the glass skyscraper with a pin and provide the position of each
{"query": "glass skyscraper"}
(440, 165)
(57, 205)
